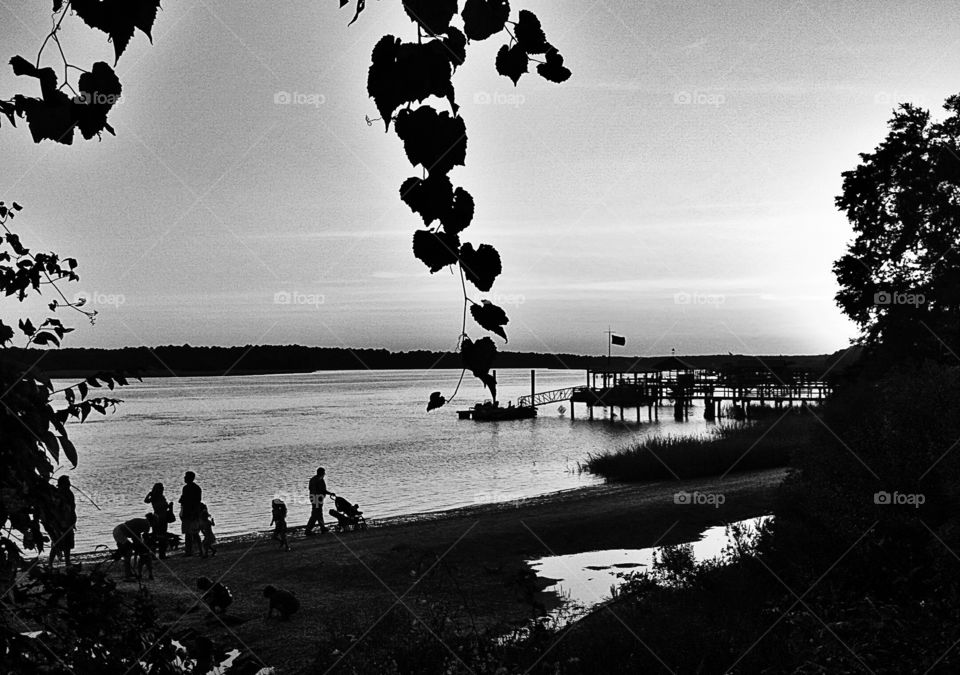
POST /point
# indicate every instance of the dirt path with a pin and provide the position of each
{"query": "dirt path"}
(473, 560)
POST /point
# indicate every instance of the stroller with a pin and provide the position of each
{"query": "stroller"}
(349, 516)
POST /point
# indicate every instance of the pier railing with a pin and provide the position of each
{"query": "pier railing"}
(548, 397)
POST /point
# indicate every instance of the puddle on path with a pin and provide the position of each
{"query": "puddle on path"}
(584, 580)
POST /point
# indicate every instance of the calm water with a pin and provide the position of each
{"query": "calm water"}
(251, 438)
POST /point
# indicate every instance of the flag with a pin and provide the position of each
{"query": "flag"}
(617, 340)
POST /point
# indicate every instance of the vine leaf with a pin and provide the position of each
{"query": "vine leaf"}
(483, 18)
(361, 4)
(437, 400)
(55, 115)
(456, 44)
(408, 72)
(529, 34)
(512, 62)
(478, 357)
(436, 141)
(482, 266)
(554, 70)
(435, 249)
(432, 197)
(460, 213)
(118, 18)
(99, 90)
(433, 15)
(69, 450)
(490, 317)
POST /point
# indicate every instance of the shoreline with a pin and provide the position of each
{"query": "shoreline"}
(473, 561)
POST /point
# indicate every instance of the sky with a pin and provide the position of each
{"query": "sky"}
(678, 188)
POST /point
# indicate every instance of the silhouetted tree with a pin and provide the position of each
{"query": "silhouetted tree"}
(900, 277)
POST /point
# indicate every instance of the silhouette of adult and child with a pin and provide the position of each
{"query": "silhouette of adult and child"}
(143, 537)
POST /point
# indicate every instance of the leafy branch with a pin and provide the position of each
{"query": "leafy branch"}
(403, 77)
(54, 114)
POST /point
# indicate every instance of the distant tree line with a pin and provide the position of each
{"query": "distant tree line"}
(185, 360)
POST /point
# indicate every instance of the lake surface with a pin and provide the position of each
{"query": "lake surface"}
(251, 438)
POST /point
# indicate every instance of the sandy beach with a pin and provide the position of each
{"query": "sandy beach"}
(473, 561)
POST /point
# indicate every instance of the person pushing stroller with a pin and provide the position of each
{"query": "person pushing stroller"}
(318, 490)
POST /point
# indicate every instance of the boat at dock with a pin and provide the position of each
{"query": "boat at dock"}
(493, 412)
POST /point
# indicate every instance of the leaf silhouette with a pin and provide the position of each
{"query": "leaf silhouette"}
(433, 15)
(554, 70)
(529, 34)
(437, 400)
(456, 44)
(460, 214)
(118, 18)
(478, 358)
(490, 317)
(483, 18)
(99, 90)
(432, 197)
(481, 266)
(407, 73)
(435, 249)
(436, 141)
(512, 62)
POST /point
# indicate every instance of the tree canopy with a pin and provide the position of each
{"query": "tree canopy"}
(900, 277)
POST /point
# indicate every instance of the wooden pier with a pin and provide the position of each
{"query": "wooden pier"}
(673, 381)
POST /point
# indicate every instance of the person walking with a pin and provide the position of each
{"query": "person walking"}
(62, 522)
(163, 510)
(318, 490)
(190, 499)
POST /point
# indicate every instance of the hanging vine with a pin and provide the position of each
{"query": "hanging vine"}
(62, 107)
(402, 77)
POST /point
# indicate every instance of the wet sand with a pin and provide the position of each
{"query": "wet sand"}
(472, 560)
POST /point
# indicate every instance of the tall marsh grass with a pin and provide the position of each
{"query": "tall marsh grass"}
(763, 444)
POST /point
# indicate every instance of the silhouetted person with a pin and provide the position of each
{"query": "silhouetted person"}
(206, 529)
(283, 601)
(131, 538)
(62, 522)
(217, 596)
(190, 499)
(318, 490)
(279, 522)
(163, 510)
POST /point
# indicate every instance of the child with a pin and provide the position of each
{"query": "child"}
(206, 528)
(279, 522)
